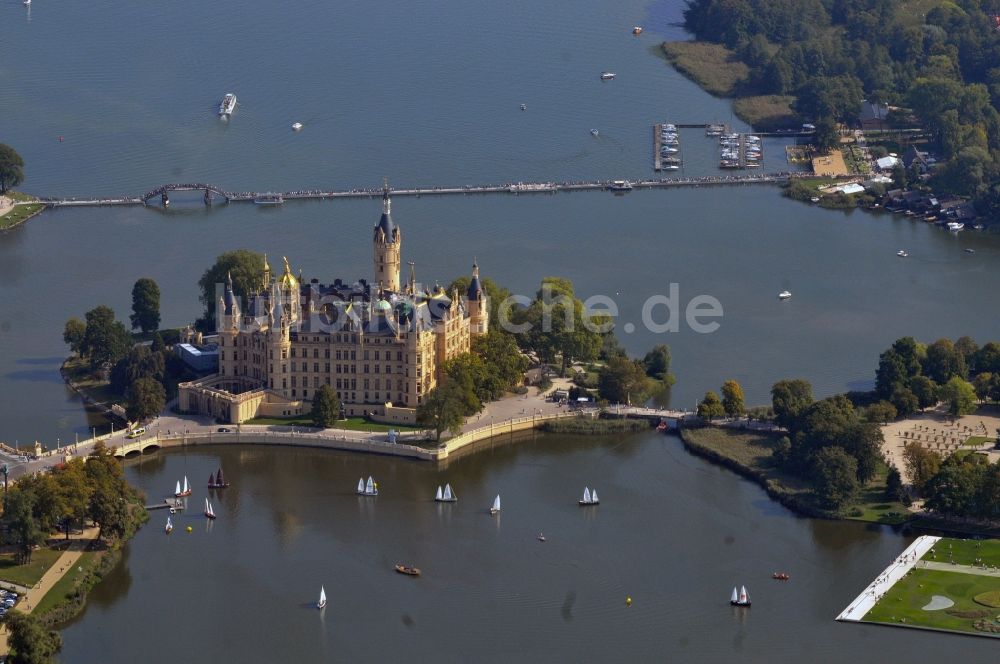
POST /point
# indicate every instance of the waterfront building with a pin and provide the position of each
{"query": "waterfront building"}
(379, 345)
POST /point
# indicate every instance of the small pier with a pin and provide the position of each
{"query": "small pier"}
(666, 161)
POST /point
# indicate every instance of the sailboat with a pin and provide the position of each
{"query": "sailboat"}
(445, 496)
(217, 482)
(169, 527)
(321, 604)
(367, 488)
(177, 489)
(496, 505)
(589, 498)
(741, 598)
(186, 491)
(209, 512)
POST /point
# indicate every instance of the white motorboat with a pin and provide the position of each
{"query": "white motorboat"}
(594, 132)
(227, 106)
(607, 75)
(784, 295)
(621, 185)
(296, 126)
(902, 253)
(955, 226)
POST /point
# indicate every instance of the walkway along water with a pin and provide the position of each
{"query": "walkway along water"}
(211, 191)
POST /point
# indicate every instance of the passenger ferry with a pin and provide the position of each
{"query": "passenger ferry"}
(269, 199)
(620, 185)
(227, 105)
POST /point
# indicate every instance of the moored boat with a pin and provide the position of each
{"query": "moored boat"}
(955, 226)
(269, 199)
(620, 185)
(780, 576)
(406, 569)
(322, 598)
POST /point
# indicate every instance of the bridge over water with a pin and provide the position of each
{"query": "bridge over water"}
(211, 193)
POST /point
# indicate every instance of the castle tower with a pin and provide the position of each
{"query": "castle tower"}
(476, 301)
(387, 245)
(266, 280)
(228, 329)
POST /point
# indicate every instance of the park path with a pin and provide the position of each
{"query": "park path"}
(960, 569)
(60, 567)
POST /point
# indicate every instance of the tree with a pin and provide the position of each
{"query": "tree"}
(11, 168)
(921, 464)
(944, 361)
(904, 401)
(559, 326)
(711, 406)
(863, 441)
(960, 395)
(325, 408)
(880, 412)
(894, 485)
(74, 334)
(505, 364)
(622, 380)
(925, 390)
(30, 642)
(158, 345)
(835, 476)
(988, 357)
(732, 398)
(145, 399)
(247, 270)
(442, 409)
(145, 305)
(952, 490)
(983, 384)
(106, 340)
(788, 399)
(657, 363)
(21, 524)
(468, 375)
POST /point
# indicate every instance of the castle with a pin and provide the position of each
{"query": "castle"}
(380, 345)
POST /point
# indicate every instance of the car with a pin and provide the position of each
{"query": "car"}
(225, 430)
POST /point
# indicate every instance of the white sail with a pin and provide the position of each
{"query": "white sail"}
(448, 493)
(361, 485)
(177, 489)
(186, 487)
(496, 504)
(743, 595)
(169, 526)
(322, 597)
(586, 495)
(208, 507)
(370, 486)
(735, 596)
(439, 495)
(593, 496)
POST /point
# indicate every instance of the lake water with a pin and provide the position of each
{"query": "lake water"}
(429, 94)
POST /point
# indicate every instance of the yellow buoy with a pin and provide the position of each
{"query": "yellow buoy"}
(628, 601)
(190, 529)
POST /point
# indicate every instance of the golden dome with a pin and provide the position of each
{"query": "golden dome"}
(288, 280)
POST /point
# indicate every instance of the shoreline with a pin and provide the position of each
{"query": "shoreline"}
(9, 204)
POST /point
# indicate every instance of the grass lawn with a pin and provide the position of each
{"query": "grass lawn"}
(767, 112)
(904, 602)
(20, 214)
(351, 423)
(100, 390)
(29, 574)
(65, 585)
(712, 66)
(965, 551)
(976, 441)
(753, 450)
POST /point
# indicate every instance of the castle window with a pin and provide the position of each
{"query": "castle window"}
(327, 370)
(293, 392)
(338, 354)
(305, 393)
(376, 352)
(326, 353)
(315, 353)
(376, 368)
(366, 355)
(294, 383)
(316, 367)
(293, 352)
(284, 384)
(399, 356)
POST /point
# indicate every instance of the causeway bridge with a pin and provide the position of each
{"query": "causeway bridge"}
(212, 193)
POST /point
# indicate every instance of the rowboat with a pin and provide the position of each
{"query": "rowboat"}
(406, 569)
